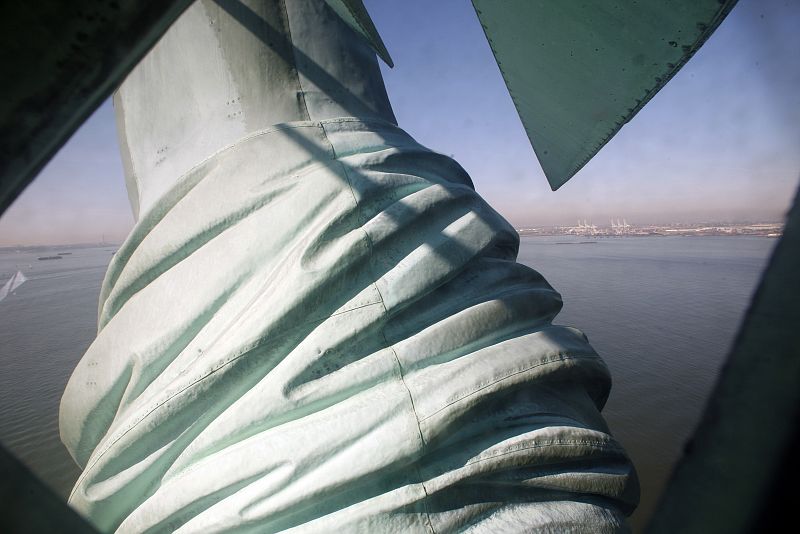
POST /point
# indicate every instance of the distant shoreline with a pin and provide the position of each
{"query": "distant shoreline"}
(585, 230)
(523, 232)
(35, 248)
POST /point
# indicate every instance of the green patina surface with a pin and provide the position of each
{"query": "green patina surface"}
(578, 71)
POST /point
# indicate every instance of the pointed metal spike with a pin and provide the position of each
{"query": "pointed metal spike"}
(577, 72)
(355, 15)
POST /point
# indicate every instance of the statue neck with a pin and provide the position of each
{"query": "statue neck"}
(228, 68)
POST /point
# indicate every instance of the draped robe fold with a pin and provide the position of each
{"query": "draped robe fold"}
(321, 326)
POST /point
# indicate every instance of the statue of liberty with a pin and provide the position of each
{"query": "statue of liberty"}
(316, 323)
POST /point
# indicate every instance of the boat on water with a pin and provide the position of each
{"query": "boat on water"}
(51, 258)
(64, 253)
(12, 284)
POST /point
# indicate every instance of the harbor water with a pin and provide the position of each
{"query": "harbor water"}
(662, 311)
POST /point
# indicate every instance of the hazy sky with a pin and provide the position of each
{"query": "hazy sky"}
(719, 142)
